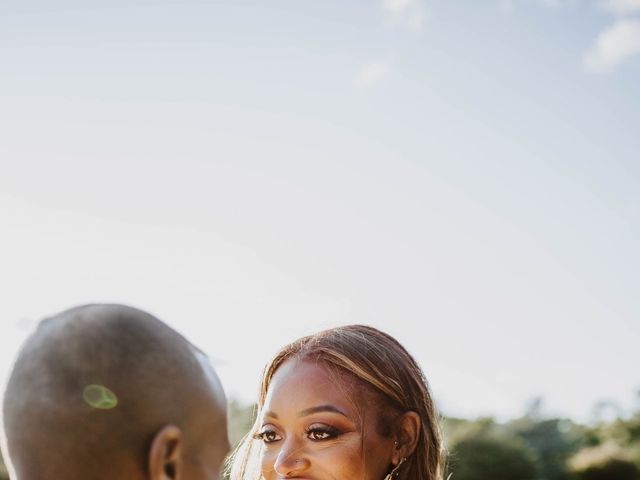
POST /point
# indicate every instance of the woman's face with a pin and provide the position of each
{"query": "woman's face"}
(316, 426)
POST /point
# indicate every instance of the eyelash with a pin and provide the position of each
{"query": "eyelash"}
(264, 434)
(326, 431)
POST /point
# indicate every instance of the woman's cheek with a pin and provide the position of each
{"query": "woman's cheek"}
(342, 460)
(267, 461)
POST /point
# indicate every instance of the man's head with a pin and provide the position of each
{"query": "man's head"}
(109, 391)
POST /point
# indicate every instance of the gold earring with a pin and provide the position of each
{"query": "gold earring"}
(396, 470)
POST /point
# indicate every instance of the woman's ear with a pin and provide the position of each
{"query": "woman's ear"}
(407, 434)
(165, 454)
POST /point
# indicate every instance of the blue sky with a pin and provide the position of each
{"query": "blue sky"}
(461, 174)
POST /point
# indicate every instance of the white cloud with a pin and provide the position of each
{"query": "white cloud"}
(510, 5)
(565, 3)
(406, 13)
(613, 46)
(621, 7)
(372, 74)
(507, 6)
(397, 5)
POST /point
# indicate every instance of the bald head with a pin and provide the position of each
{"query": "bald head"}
(110, 391)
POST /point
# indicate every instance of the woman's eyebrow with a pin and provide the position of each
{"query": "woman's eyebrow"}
(321, 408)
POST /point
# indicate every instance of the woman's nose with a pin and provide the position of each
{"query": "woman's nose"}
(291, 460)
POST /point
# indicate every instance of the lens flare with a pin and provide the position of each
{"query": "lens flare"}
(100, 397)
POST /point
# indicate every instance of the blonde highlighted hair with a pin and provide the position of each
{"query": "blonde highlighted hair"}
(377, 361)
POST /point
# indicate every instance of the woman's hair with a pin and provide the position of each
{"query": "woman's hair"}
(378, 362)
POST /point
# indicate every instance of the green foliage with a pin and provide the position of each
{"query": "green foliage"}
(553, 441)
(614, 469)
(608, 461)
(612, 453)
(240, 418)
(558, 449)
(482, 454)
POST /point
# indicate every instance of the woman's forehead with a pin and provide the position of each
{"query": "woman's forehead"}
(305, 374)
(305, 383)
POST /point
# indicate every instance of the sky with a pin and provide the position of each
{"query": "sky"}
(463, 175)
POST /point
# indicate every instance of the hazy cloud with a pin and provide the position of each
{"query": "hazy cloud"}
(397, 5)
(506, 5)
(406, 13)
(510, 5)
(613, 46)
(565, 3)
(372, 73)
(620, 7)
(616, 43)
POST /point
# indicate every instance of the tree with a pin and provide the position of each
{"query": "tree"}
(482, 457)
(240, 420)
(553, 440)
(607, 461)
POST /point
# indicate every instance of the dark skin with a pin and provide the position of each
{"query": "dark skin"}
(108, 391)
(313, 429)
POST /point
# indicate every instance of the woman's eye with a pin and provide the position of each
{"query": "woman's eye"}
(268, 436)
(324, 433)
(318, 435)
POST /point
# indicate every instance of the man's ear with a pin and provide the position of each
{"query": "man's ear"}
(165, 454)
(407, 434)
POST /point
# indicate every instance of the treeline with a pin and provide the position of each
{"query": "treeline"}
(538, 448)
(533, 447)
